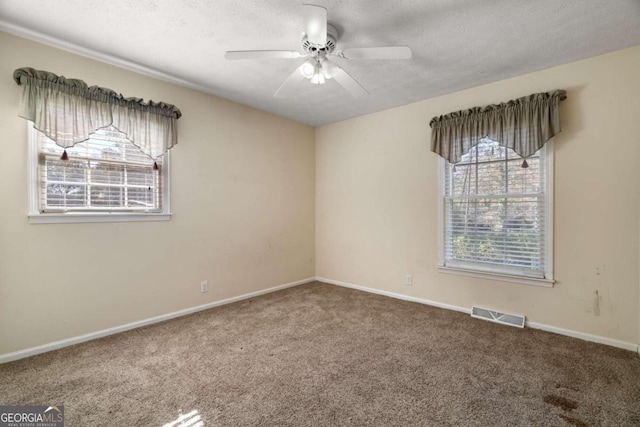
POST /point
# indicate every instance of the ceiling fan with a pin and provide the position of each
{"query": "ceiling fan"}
(319, 45)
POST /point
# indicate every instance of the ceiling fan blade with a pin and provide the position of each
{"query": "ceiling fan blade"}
(347, 82)
(263, 54)
(291, 81)
(315, 24)
(386, 52)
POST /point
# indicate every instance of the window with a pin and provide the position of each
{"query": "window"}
(497, 215)
(106, 178)
(110, 145)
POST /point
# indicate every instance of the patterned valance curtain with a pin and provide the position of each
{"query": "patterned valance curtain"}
(523, 125)
(68, 111)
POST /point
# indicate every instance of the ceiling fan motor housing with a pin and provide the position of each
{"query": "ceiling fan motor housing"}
(330, 45)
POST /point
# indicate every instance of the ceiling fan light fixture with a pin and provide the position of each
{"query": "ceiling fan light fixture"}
(328, 69)
(309, 69)
(318, 78)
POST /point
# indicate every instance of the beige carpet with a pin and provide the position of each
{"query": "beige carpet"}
(319, 354)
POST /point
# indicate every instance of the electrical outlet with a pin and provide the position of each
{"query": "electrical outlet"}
(204, 286)
(408, 280)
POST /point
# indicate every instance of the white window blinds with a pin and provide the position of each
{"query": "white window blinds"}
(495, 212)
(106, 173)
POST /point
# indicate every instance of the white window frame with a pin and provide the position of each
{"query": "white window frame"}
(487, 271)
(37, 217)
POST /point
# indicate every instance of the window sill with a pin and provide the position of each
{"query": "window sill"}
(82, 217)
(523, 280)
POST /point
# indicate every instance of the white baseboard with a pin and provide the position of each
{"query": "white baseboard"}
(534, 325)
(585, 336)
(21, 354)
(394, 295)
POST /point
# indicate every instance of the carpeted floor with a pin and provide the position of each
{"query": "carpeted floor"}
(318, 354)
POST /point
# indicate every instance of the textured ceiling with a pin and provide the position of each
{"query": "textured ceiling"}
(456, 43)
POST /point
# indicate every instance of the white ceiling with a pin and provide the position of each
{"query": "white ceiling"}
(456, 44)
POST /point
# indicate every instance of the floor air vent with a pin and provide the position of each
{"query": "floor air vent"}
(496, 316)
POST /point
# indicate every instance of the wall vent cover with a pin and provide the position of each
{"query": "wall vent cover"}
(497, 317)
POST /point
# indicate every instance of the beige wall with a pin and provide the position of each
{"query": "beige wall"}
(377, 198)
(242, 186)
